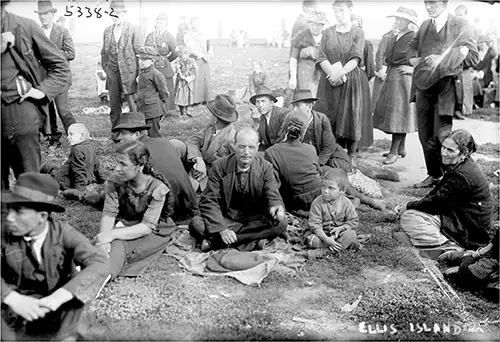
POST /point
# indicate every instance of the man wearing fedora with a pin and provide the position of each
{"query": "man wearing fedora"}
(133, 126)
(241, 205)
(319, 133)
(443, 45)
(43, 294)
(121, 43)
(25, 93)
(211, 143)
(271, 117)
(152, 92)
(61, 37)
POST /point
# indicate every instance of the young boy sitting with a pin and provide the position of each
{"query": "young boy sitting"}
(332, 218)
(151, 90)
(80, 175)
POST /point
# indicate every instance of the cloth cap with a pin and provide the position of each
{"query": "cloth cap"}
(147, 52)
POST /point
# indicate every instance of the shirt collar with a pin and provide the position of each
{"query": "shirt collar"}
(241, 170)
(40, 236)
(440, 20)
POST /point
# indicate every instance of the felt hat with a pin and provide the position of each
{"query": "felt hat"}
(132, 121)
(406, 13)
(34, 190)
(147, 52)
(263, 91)
(317, 16)
(302, 95)
(118, 5)
(224, 108)
(162, 16)
(45, 7)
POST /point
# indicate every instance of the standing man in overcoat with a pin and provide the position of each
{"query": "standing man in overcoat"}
(121, 44)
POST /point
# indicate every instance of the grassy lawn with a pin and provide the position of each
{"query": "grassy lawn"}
(167, 303)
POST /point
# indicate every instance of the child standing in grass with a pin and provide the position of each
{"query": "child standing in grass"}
(186, 71)
(332, 218)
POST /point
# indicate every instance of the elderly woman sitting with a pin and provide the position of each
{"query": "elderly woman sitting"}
(456, 214)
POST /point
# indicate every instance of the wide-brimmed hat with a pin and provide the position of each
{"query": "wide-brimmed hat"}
(263, 91)
(302, 95)
(224, 108)
(317, 16)
(132, 121)
(146, 52)
(406, 13)
(45, 7)
(162, 16)
(118, 5)
(34, 190)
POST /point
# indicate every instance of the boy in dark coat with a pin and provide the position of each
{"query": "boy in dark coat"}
(152, 90)
(43, 294)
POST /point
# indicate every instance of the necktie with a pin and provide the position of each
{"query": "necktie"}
(433, 26)
(30, 252)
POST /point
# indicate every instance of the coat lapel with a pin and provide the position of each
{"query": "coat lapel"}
(228, 181)
(51, 251)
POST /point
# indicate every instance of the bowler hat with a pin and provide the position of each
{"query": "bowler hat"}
(406, 13)
(224, 108)
(147, 52)
(34, 190)
(117, 5)
(45, 7)
(302, 95)
(263, 91)
(132, 121)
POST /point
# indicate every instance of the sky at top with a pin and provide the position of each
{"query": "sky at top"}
(260, 19)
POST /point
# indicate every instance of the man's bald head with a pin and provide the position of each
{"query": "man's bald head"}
(247, 132)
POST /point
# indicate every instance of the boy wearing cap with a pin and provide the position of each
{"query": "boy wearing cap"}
(152, 90)
(43, 295)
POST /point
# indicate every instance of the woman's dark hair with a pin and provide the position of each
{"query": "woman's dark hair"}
(347, 3)
(464, 140)
(293, 131)
(138, 154)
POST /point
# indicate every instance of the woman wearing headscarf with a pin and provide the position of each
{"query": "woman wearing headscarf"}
(456, 214)
(166, 46)
(394, 114)
(340, 90)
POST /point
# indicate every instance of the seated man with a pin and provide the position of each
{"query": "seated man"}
(43, 295)
(271, 117)
(241, 203)
(132, 126)
(211, 143)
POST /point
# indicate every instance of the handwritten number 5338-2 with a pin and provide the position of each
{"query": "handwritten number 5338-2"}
(87, 11)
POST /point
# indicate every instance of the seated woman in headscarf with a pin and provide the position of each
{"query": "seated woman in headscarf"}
(296, 166)
(456, 214)
(135, 225)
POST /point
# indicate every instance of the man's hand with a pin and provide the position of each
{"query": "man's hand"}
(337, 231)
(33, 93)
(106, 247)
(432, 60)
(277, 212)
(27, 307)
(334, 245)
(381, 74)
(104, 238)
(405, 70)
(228, 236)
(464, 50)
(56, 299)
(199, 170)
(7, 38)
(414, 61)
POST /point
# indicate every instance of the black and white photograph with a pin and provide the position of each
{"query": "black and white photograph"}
(250, 170)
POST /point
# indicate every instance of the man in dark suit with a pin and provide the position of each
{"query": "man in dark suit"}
(25, 92)
(241, 204)
(43, 294)
(271, 117)
(442, 47)
(61, 37)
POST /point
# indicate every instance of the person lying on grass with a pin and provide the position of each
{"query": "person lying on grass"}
(332, 218)
(135, 225)
(80, 176)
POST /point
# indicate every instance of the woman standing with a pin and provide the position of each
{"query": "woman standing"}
(166, 46)
(394, 114)
(199, 49)
(380, 66)
(135, 225)
(342, 82)
(304, 54)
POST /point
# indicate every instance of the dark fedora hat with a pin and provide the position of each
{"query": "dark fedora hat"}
(303, 95)
(132, 121)
(147, 52)
(224, 108)
(263, 91)
(118, 5)
(34, 190)
(45, 7)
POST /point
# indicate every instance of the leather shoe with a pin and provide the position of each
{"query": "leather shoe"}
(401, 153)
(458, 115)
(427, 182)
(390, 159)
